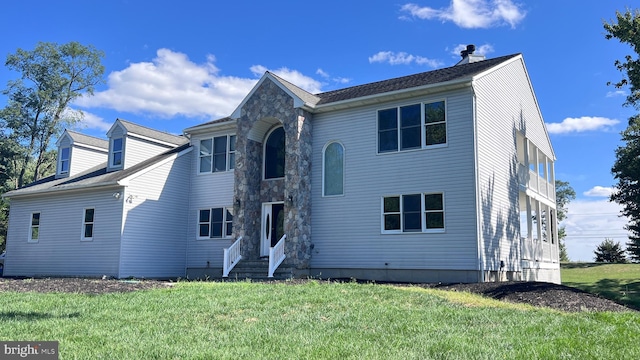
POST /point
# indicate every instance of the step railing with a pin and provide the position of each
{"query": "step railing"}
(231, 257)
(276, 255)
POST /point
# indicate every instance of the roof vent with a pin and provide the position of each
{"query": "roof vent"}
(470, 49)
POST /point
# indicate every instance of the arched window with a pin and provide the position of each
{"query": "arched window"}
(274, 154)
(333, 169)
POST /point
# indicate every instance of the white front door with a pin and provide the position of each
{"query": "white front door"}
(272, 227)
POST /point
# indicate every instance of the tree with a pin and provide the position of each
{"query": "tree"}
(564, 195)
(52, 76)
(626, 169)
(610, 252)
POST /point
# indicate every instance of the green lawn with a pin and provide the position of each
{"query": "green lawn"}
(317, 320)
(620, 282)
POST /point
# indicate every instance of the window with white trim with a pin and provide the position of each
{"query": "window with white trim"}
(215, 223)
(116, 152)
(423, 212)
(415, 126)
(217, 154)
(87, 224)
(63, 165)
(333, 169)
(34, 227)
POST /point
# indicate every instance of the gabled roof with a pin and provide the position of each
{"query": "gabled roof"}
(457, 72)
(144, 131)
(94, 177)
(83, 139)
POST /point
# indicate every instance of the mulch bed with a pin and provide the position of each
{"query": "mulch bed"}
(543, 294)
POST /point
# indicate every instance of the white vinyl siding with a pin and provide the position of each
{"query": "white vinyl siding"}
(207, 191)
(506, 106)
(156, 206)
(138, 150)
(339, 243)
(83, 158)
(59, 251)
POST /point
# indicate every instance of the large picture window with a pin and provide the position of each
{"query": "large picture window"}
(413, 126)
(215, 223)
(217, 154)
(274, 154)
(34, 227)
(333, 169)
(413, 213)
(87, 224)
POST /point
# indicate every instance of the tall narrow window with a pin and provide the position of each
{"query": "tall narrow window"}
(64, 160)
(388, 130)
(434, 211)
(411, 218)
(435, 123)
(220, 153)
(333, 183)
(410, 127)
(274, 154)
(391, 213)
(34, 229)
(232, 152)
(116, 152)
(87, 224)
(206, 153)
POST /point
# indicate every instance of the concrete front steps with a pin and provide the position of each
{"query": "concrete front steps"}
(258, 270)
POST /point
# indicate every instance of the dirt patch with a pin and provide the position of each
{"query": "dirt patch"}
(549, 295)
(79, 285)
(555, 296)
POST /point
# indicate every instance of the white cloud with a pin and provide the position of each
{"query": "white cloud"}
(92, 121)
(599, 191)
(293, 76)
(588, 223)
(338, 80)
(585, 123)
(485, 49)
(402, 58)
(322, 73)
(471, 13)
(170, 85)
(616, 93)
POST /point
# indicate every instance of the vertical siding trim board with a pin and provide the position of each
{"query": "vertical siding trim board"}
(477, 185)
(122, 223)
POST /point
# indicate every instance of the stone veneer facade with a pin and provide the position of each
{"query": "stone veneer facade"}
(268, 107)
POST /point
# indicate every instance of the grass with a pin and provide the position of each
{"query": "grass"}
(619, 282)
(316, 320)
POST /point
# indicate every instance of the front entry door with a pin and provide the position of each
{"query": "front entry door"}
(272, 226)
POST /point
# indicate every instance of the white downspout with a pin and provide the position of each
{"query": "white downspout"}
(477, 185)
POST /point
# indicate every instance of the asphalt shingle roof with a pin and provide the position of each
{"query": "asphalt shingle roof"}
(79, 138)
(152, 133)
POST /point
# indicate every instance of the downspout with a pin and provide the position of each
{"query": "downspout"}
(477, 185)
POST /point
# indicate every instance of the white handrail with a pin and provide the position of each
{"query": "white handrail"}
(276, 255)
(231, 257)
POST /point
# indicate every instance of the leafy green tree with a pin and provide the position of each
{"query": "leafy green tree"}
(564, 195)
(626, 169)
(37, 109)
(610, 252)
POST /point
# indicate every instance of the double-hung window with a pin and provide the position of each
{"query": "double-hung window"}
(87, 224)
(414, 126)
(116, 152)
(64, 160)
(217, 154)
(34, 227)
(413, 213)
(215, 223)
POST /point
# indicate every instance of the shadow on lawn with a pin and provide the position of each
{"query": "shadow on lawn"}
(582, 265)
(33, 316)
(624, 293)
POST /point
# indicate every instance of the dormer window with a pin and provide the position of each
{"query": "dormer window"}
(116, 152)
(64, 160)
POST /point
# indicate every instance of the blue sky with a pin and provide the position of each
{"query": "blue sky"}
(171, 65)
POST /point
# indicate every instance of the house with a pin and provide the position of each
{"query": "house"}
(442, 176)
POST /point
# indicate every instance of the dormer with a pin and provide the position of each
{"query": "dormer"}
(130, 144)
(78, 152)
